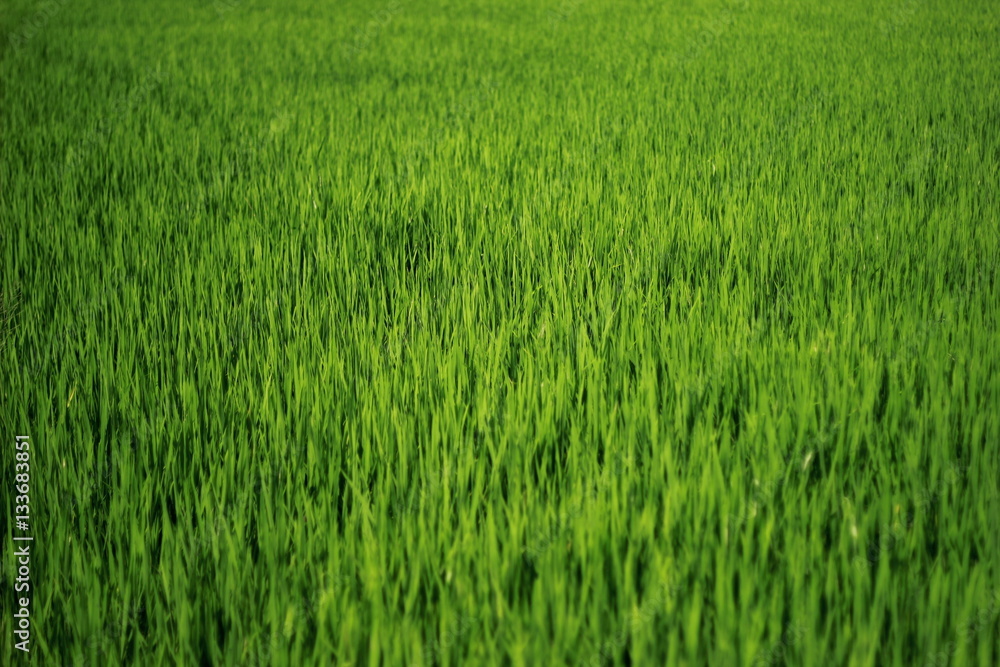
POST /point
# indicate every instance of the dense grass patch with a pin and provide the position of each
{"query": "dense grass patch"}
(503, 333)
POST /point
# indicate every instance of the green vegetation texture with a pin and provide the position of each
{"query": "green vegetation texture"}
(503, 333)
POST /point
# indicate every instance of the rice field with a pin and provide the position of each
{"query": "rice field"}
(512, 333)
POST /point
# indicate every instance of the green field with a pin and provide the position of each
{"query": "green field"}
(501, 333)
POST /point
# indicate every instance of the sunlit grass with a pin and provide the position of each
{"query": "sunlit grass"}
(504, 333)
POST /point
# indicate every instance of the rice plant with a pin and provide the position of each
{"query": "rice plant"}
(502, 333)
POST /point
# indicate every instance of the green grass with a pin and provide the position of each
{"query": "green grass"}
(572, 332)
